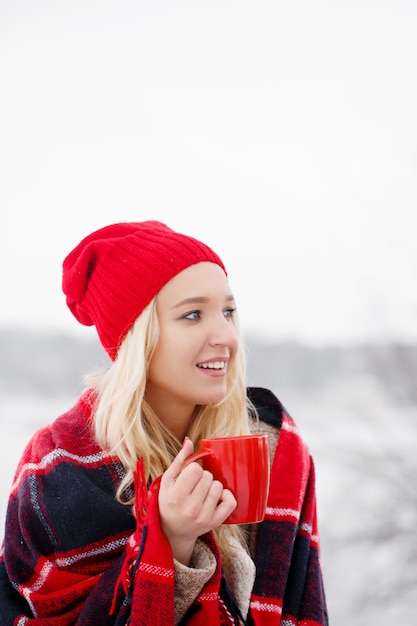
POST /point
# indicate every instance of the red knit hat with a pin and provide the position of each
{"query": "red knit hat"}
(113, 274)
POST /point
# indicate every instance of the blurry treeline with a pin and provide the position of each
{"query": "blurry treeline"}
(54, 364)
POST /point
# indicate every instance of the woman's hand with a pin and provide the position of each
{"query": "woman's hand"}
(191, 503)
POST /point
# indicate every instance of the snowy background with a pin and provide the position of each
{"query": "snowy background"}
(283, 133)
(357, 410)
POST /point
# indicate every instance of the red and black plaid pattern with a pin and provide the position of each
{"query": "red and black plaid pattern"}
(67, 540)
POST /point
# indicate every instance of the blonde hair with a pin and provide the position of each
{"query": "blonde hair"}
(125, 424)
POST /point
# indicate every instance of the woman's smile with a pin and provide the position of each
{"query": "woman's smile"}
(217, 367)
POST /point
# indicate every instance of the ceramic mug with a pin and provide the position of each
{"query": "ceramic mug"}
(241, 464)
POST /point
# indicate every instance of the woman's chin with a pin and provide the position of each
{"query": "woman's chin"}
(213, 398)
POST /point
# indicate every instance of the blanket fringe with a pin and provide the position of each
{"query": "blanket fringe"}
(134, 549)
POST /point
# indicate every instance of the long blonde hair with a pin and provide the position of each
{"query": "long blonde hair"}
(125, 424)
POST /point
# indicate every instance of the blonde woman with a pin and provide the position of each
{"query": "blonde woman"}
(106, 522)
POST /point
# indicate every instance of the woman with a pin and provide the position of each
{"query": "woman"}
(106, 523)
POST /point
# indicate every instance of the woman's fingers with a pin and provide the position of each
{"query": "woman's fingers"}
(174, 470)
(191, 502)
(225, 507)
(213, 503)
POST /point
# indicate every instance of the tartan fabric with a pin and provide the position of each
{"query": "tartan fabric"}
(69, 548)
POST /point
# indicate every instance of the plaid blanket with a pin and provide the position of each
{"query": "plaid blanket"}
(68, 544)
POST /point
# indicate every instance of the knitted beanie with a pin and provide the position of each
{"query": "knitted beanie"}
(114, 273)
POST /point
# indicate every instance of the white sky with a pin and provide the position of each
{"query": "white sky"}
(283, 134)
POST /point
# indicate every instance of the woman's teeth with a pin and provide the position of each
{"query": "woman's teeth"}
(215, 365)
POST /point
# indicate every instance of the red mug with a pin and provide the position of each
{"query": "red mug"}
(241, 464)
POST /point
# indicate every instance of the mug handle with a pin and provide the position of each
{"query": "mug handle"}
(196, 456)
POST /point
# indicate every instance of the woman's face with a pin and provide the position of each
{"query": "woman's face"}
(197, 343)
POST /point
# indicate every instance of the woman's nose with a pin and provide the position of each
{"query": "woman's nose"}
(223, 332)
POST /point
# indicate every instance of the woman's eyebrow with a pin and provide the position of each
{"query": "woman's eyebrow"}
(199, 300)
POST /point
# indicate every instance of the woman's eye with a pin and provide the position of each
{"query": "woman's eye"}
(229, 312)
(193, 315)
